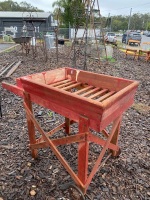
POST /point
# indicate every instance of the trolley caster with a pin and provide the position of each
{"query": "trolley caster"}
(116, 154)
(75, 193)
(72, 191)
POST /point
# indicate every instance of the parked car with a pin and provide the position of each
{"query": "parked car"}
(145, 32)
(131, 36)
(148, 34)
(110, 37)
(119, 34)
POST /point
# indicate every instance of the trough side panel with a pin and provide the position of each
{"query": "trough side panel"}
(54, 76)
(116, 109)
(39, 78)
(79, 106)
(95, 125)
(99, 80)
(72, 74)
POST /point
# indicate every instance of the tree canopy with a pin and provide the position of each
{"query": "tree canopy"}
(69, 12)
(10, 5)
(73, 12)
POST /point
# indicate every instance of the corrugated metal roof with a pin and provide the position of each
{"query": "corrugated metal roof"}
(7, 14)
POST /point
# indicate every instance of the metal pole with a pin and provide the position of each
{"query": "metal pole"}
(129, 19)
(108, 22)
(128, 25)
(69, 31)
(86, 38)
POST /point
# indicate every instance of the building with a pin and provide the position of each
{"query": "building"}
(17, 24)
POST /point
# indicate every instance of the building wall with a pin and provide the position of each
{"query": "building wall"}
(16, 25)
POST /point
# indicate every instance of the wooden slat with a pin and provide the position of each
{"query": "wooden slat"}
(105, 96)
(13, 88)
(97, 140)
(60, 82)
(66, 84)
(11, 71)
(90, 92)
(84, 89)
(60, 141)
(72, 86)
(98, 93)
(40, 139)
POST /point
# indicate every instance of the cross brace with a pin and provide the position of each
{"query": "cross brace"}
(83, 138)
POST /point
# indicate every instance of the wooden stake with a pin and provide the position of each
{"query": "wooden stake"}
(11, 71)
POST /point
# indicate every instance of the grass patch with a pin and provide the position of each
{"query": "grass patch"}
(110, 59)
(68, 43)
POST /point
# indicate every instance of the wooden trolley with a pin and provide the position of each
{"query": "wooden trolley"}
(92, 100)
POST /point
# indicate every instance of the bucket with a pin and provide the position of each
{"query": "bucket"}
(33, 41)
(49, 40)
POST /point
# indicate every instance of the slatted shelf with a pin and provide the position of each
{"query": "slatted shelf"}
(104, 97)
(90, 92)
(72, 86)
(60, 82)
(84, 89)
(101, 92)
(65, 84)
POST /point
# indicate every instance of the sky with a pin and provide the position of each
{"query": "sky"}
(107, 7)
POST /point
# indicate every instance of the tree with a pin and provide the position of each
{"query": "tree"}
(148, 26)
(10, 5)
(69, 12)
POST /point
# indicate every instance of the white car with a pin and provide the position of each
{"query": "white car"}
(110, 37)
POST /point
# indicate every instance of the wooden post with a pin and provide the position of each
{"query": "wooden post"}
(67, 125)
(83, 150)
(114, 139)
(30, 124)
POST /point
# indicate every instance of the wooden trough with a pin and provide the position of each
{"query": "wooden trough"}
(92, 100)
(24, 41)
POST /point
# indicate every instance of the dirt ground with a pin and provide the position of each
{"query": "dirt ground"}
(124, 178)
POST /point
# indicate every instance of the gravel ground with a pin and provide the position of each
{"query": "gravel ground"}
(124, 178)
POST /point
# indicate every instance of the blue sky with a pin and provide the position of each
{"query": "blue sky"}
(114, 7)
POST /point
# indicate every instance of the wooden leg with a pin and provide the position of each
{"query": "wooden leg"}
(99, 160)
(31, 129)
(114, 139)
(83, 150)
(67, 125)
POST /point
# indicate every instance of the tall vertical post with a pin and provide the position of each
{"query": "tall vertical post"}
(129, 19)
(86, 36)
(108, 25)
(83, 150)
(69, 31)
(30, 124)
(128, 25)
(114, 139)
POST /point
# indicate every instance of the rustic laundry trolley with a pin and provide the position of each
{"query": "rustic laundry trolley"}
(92, 100)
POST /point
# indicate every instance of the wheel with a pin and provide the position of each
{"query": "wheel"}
(115, 154)
(72, 192)
(75, 193)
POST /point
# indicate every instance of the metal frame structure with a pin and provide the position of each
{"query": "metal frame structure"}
(31, 28)
(92, 100)
(89, 20)
(29, 37)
